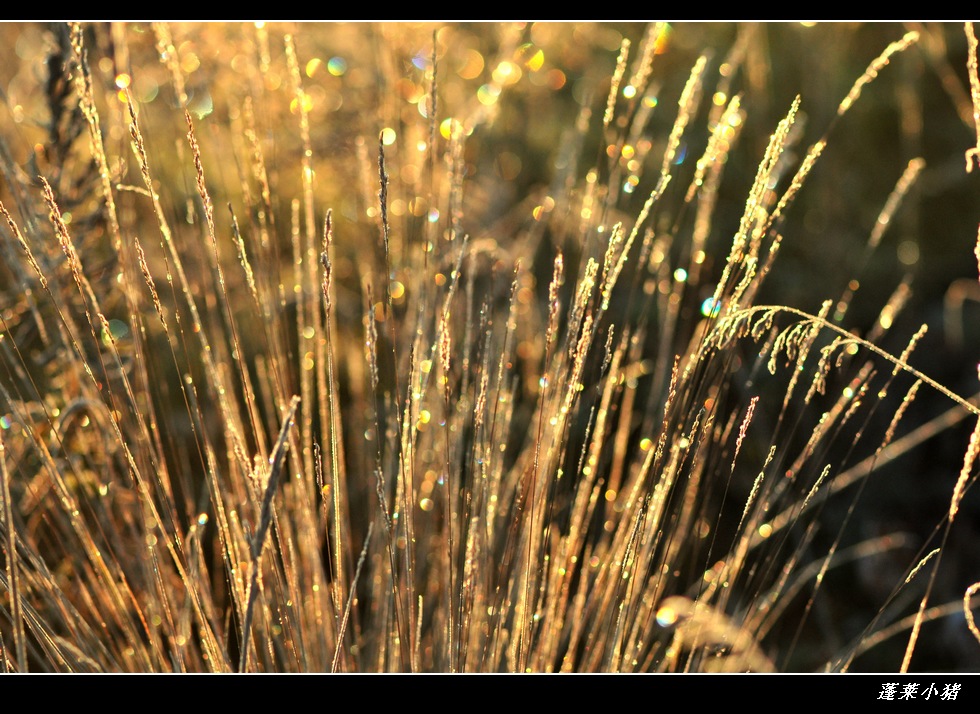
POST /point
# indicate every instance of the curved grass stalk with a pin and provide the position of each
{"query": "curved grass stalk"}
(732, 325)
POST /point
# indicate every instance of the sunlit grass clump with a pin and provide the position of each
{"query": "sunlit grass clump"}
(419, 348)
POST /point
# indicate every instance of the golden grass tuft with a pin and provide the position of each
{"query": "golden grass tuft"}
(487, 367)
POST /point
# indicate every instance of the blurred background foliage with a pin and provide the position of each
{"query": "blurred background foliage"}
(518, 88)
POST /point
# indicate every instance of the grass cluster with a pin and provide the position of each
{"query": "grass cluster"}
(456, 348)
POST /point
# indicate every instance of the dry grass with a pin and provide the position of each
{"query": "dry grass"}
(302, 371)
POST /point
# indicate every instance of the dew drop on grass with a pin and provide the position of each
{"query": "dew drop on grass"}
(681, 155)
(666, 616)
(710, 307)
(487, 94)
(337, 66)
